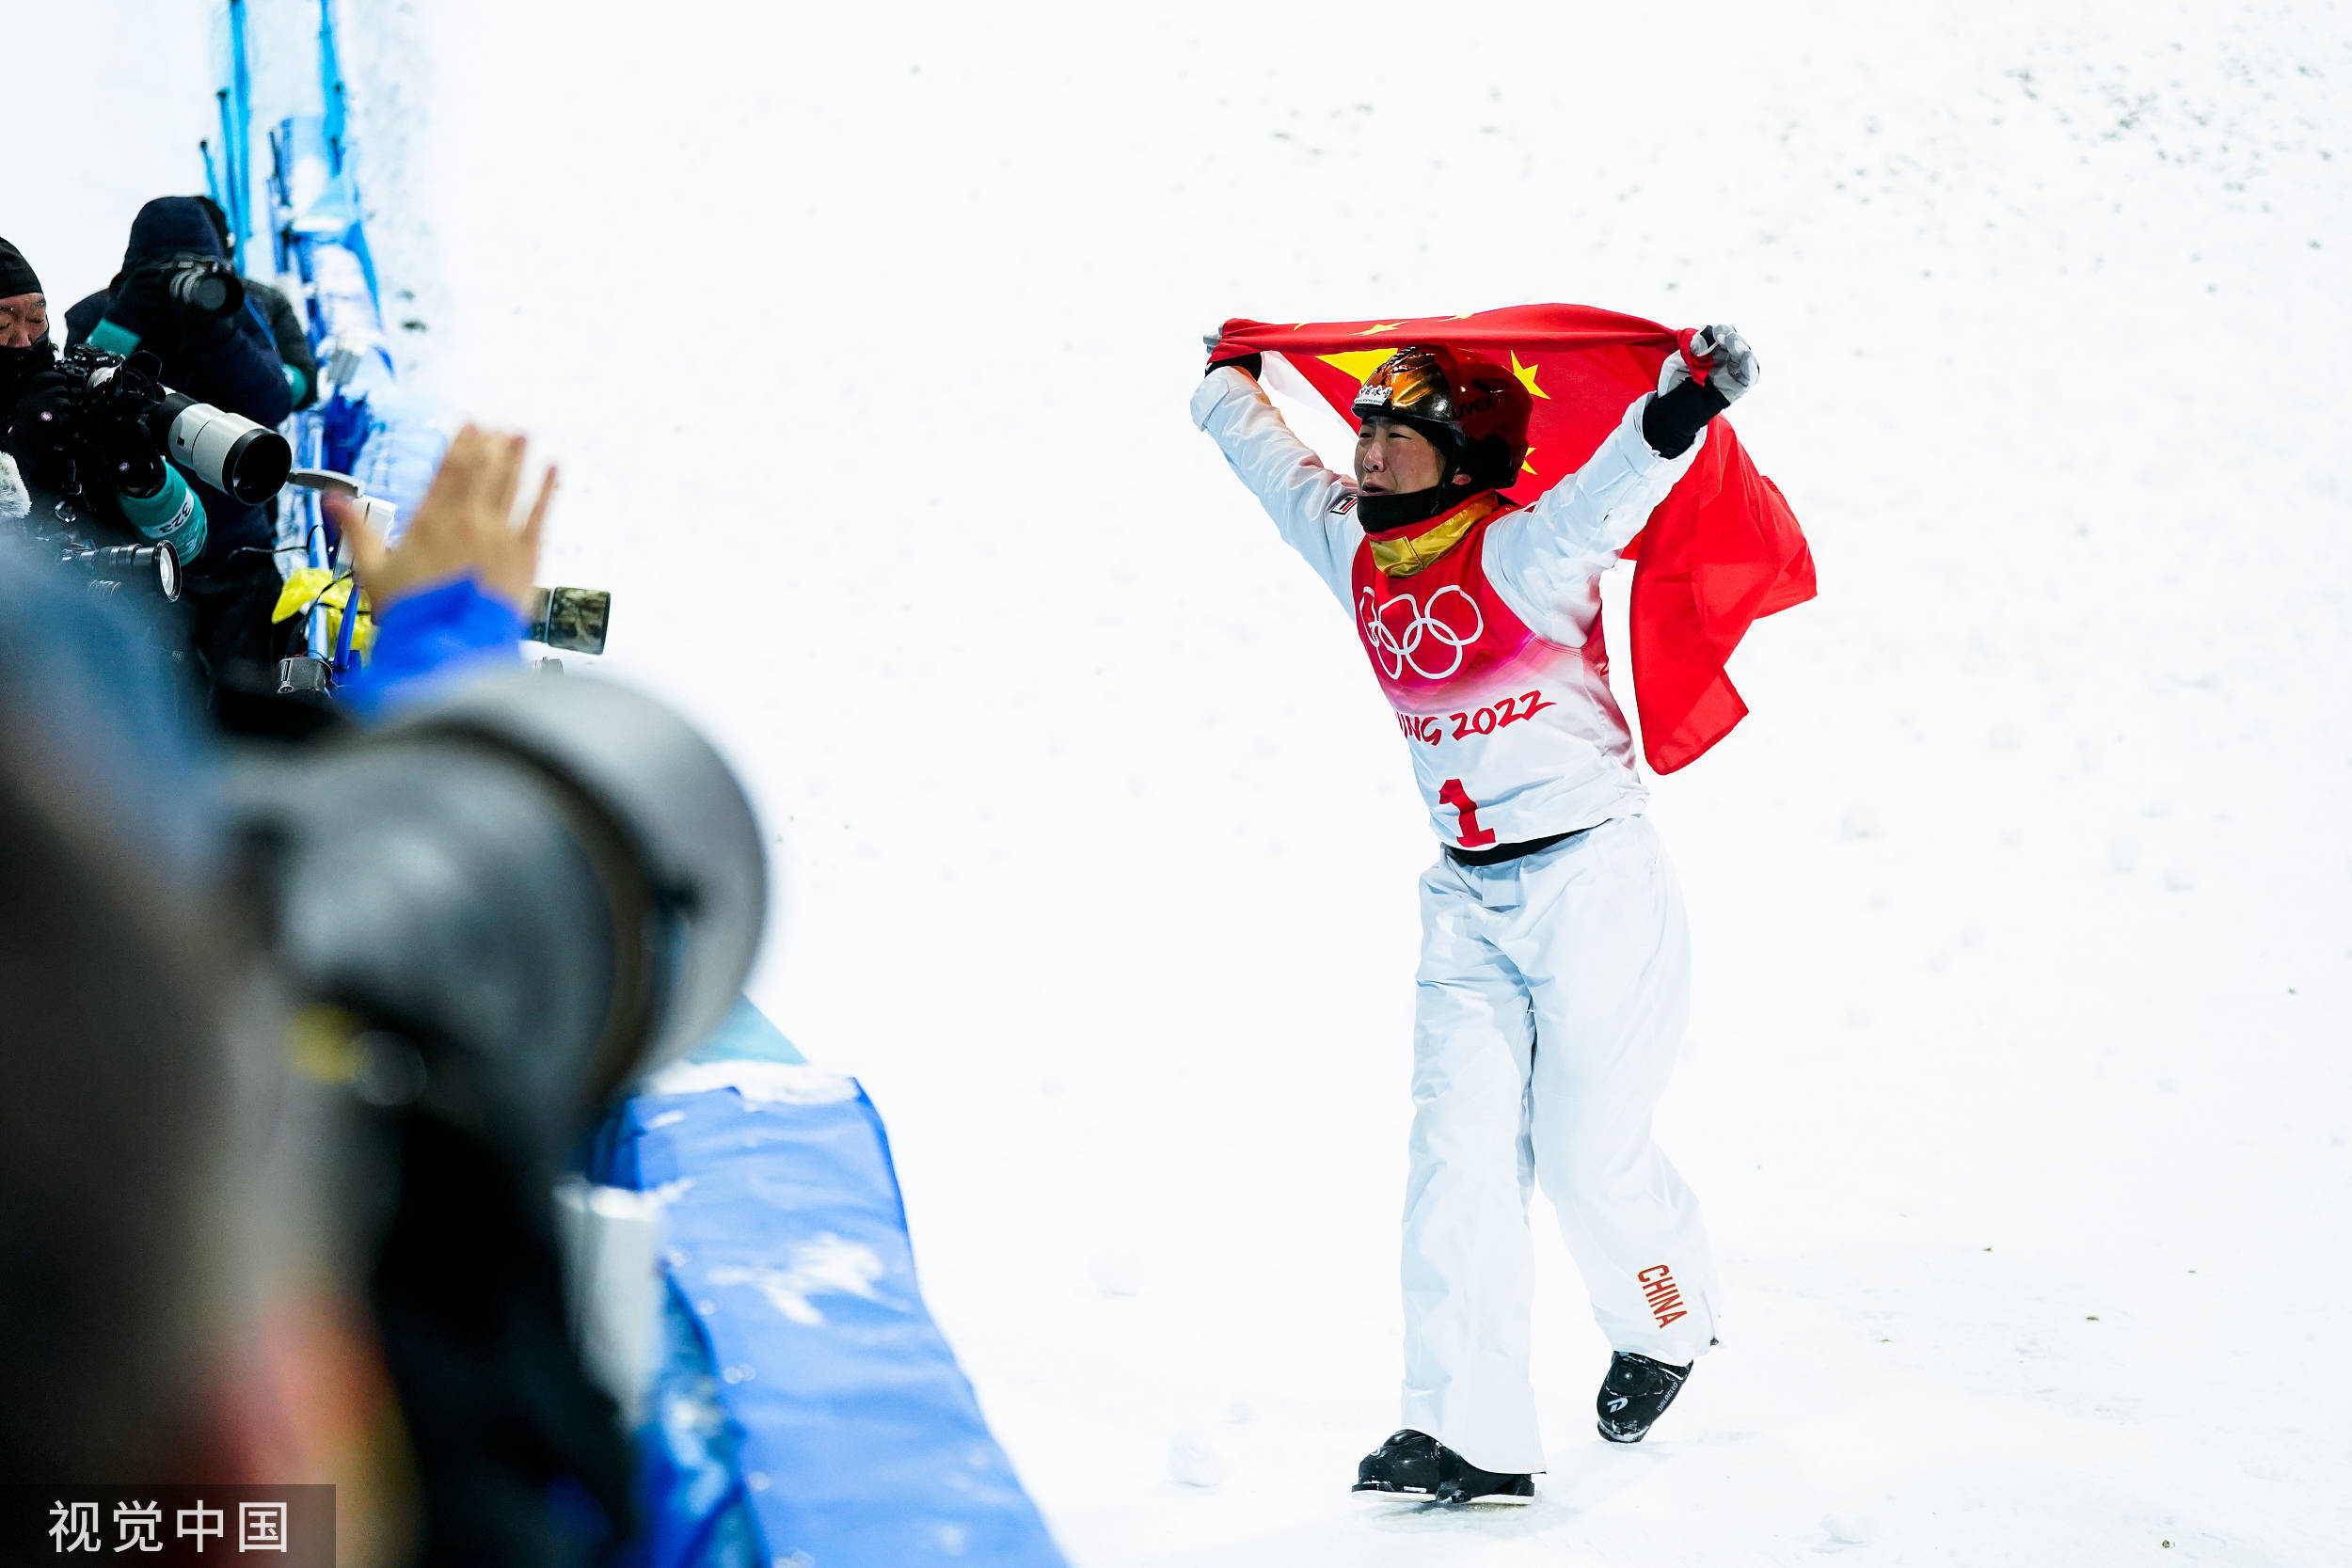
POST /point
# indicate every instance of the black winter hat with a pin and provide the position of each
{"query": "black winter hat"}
(220, 225)
(171, 225)
(16, 273)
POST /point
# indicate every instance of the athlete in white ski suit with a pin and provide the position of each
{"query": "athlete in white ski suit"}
(1553, 987)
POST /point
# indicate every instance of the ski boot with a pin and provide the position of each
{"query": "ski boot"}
(1461, 1481)
(1407, 1463)
(1415, 1464)
(1635, 1393)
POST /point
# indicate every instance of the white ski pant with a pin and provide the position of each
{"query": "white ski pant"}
(1553, 994)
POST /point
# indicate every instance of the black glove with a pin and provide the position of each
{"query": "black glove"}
(54, 422)
(38, 426)
(1731, 363)
(141, 300)
(1683, 407)
(1674, 418)
(121, 448)
(1253, 363)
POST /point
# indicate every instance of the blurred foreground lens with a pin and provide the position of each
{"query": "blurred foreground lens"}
(552, 886)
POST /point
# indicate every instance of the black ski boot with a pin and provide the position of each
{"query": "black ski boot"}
(1407, 1461)
(1415, 1464)
(1635, 1393)
(1461, 1481)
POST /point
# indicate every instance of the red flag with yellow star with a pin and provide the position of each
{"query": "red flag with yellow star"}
(1721, 551)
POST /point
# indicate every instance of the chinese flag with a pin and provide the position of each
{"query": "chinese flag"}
(1720, 551)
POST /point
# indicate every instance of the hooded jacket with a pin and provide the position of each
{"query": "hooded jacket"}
(241, 372)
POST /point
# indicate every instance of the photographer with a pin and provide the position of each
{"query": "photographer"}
(275, 311)
(177, 299)
(142, 496)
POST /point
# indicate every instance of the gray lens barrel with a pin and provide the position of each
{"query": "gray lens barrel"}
(160, 561)
(209, 290)
(563, 877)
(665, 792)
(225, 451)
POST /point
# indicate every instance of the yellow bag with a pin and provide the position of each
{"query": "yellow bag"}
(307, 586)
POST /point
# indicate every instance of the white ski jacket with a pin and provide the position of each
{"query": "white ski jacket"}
(1491, 653)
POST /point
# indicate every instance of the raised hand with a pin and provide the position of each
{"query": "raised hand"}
(1251, 365)
(1730, 364)
(465, 527)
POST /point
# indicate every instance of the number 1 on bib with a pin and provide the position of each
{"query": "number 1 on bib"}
(1472, 835)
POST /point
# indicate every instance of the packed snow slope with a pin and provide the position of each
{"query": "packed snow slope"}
(2018, 1088)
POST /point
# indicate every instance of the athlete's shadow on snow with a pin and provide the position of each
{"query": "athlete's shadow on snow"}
(1578, 1484)
(1495, 1521)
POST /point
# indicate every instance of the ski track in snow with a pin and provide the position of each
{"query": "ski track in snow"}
(2016, 1086)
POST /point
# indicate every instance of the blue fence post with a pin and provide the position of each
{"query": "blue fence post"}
(239, 153)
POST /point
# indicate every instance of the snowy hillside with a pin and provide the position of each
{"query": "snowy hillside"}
(2018, 1091)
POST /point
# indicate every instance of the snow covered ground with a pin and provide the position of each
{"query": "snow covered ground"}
(2019, 1088)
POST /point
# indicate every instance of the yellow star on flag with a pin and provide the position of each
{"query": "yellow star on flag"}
(1527, 467)
(1378, 327)
(1360, 363)
(1527, 379)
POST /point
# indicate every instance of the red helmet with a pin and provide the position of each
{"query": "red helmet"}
(1475, 410)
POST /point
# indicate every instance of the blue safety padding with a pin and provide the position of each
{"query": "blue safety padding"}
(747, 1035)
(696, 1511)
(861, 1443)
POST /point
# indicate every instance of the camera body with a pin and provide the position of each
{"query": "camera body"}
(57, 530)
(111, 404)
(98, 407)
(226, 451)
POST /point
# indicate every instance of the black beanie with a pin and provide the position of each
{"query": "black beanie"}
(171, 225)
(16, 274)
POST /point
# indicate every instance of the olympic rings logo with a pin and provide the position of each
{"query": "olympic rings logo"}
(1427, 635)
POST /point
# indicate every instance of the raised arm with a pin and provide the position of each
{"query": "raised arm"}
(1313, 508)
(1574, 531)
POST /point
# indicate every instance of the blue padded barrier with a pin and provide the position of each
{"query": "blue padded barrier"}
(854, 1434)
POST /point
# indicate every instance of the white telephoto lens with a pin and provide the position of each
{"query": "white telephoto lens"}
(228, 451)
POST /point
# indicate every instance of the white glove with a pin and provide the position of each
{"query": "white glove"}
(1731, 367)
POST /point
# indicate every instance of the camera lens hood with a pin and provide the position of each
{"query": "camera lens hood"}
(225, 451)
(551, 885)
(676, 814)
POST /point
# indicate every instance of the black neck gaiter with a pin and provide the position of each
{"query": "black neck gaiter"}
(1381, 512)
(20, 365)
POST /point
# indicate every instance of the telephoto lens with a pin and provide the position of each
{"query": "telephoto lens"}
(207, 286)
(225, 451)
(572, 619)
(548, 887)
(496, 913)
(113, 567)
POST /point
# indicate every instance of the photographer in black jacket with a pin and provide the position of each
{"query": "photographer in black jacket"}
(276, 312)
(125, 493)
(215, 350)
